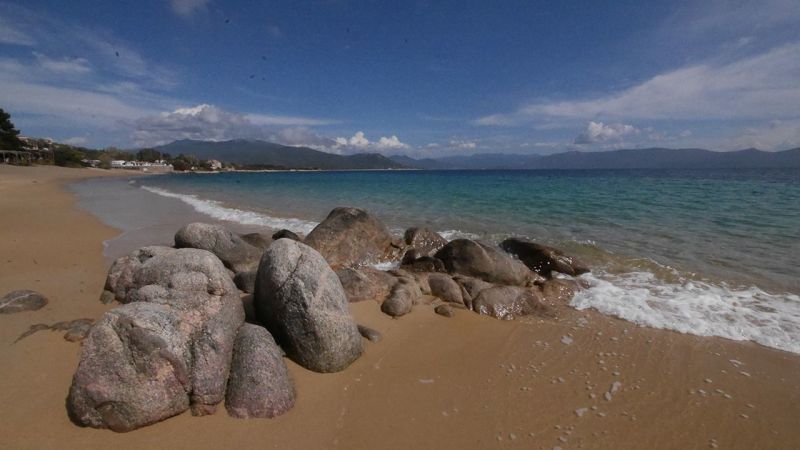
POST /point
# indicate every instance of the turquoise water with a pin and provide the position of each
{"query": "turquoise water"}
(703, 252)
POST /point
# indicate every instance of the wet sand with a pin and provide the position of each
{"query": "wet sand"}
(432, 382)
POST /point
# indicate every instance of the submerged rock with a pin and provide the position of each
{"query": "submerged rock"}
(485, 262)
(259, 383)
(230, 248)
(508, 302)
(424, 241)
(543, 259)
(22, 300)
(351, 237)
(301, 301)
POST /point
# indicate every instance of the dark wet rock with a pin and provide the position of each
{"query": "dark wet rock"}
(543, 259)
(424, 241)
(558, 291)
(167, 350)
(424, 264)
(444, 310)
(402, 298)
(120, 276)
(351, 237)
(259, 383)
(22, 300)
(508, 302)
(409, 256)
(442, 286)
(286, 234)
(230, 248)
(486, 262)
(370, 334)
(302, 303)
(258, 240)
(365, 283)
(246, 281)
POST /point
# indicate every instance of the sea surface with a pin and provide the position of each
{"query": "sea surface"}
(707, 252)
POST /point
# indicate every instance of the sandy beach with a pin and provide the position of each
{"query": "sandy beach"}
(579, 380)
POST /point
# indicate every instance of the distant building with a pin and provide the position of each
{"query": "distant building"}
(213, 164)
(144, 166)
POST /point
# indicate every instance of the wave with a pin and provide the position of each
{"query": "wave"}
(218, 211)
(696, 307)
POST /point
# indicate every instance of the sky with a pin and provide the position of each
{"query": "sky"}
(421, 78)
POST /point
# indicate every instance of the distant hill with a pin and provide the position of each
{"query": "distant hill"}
(646, 158)
(262, 153)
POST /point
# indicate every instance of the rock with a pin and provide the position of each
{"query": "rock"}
(78, 330)
(543, 259)
(424, 264)
(249, 309)
(286, 234)
(120, 276)
(444, 310)
(258, 240)
(471, 287)
(35, 328)
(370, 334)
(246, 281)
(167, 350)
(508, 302)
(558, 291)
(488, 263)
(22, 300)
(409, 256)
(402, 298)
(424, 241)
(365, 283)
(259, 383)
(230, 248)
(442, 286)
(421, 278)
(302, 303)
(350, 237)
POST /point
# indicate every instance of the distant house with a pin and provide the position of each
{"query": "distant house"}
(213, 164)
(144, 166)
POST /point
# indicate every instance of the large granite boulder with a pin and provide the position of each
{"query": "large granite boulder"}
(365, 283)
(246, 281)
(478, 260)
(543, 259)
(167, 350)
(22, 300)
(230, 248)
(259, 384)
(120, 276)
(351, 237)
(300, 300)
(508, 302)
(424, 241)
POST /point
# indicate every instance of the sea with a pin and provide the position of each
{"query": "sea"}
(705, 252)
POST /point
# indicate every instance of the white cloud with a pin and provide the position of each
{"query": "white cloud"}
(390, 143)
(762, 86)
(599, 132)
(462, 145)
(775, 135)
(359, 143)
(65, 66)
(188, 7)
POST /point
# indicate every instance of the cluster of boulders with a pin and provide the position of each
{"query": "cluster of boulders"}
(212, 318)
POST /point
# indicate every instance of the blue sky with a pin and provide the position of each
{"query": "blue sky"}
(422, 78)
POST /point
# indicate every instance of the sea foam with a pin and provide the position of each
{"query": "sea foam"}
(696, 307)
(218, 211)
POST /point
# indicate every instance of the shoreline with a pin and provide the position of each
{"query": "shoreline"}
(470, 381)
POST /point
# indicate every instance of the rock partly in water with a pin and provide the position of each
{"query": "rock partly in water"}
(508, 302)
(259, 383)
(22, 300)
(424, 241)
(167, 350)
(120, 276)
(351, 237)
(230, 248)
(478, 260)
(543, 259)
(558, 291)
(365, 283)
(301, 301)
(286, 234)
(246, 281)
(370, 334)
(442, 286)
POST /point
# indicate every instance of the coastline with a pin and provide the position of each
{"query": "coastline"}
(470, 381)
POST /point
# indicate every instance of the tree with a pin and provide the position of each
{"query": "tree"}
(148, 154)
(9, 139)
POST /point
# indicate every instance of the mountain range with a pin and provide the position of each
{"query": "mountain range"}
(254, 152)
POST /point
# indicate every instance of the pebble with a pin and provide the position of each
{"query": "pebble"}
(708, 380)
(581, 411)
(566, 340)
(607, 396)
(512, 436)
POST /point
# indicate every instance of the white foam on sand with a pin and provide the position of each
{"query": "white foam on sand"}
(696, 307)
(218, 211)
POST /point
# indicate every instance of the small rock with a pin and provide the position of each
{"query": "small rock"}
(369, 334)
(22, 300)
(566, 340)
(444, 310)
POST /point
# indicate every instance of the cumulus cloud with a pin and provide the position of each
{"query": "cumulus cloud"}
(358, 142)
(762, 86)
(390, 143)
(188, 7)
(599, 132)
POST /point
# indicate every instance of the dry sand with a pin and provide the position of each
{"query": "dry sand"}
(432, 382)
